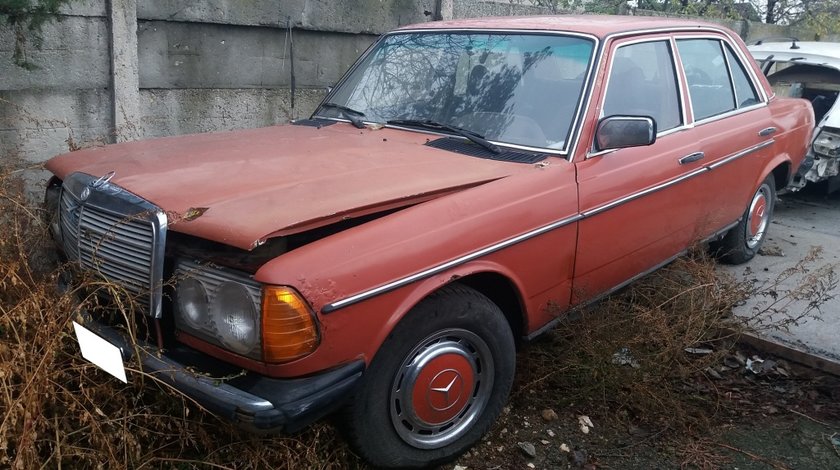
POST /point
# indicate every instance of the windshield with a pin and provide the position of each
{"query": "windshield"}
(519, 89)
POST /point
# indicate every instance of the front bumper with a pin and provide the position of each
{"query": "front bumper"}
(253, 402)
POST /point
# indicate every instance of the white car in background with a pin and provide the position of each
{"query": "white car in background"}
(809, 70)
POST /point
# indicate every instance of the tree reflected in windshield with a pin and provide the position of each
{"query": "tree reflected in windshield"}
(510, 88)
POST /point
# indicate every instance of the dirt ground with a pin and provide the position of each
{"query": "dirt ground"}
(763, 421)
(649, 379)
(785, 416)
(803, 221)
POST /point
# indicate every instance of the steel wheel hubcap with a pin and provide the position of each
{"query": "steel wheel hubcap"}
(441, 388)
(758, 216)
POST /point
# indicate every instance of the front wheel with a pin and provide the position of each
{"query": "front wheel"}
(742, 242)
(437, 383)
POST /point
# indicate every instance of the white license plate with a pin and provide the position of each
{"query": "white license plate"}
(103, 354)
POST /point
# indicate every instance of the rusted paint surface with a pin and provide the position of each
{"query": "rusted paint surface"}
(283, 179)
(276, 181)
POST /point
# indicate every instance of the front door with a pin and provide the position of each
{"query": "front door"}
(640, 205)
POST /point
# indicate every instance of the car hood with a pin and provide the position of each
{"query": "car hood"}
(259, 183)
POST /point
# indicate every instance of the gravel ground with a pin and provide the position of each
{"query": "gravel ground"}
(762, 421)
(803, 221)
(768, 415)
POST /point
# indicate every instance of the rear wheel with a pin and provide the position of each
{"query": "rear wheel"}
(437, 383)
(742, 242)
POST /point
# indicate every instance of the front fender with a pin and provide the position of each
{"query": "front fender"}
(363, 280)
(415, 293)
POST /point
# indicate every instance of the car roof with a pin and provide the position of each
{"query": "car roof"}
(598, 25)
(810, 52)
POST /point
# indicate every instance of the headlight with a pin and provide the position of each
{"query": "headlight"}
(227, 308)
(192, 303)
(235, 318)
(219, 306)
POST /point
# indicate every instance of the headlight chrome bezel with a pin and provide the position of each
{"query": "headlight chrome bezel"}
(217, 280)
(279, 324)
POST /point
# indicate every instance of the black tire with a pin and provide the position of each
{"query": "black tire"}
(742, 242)
(462, 335)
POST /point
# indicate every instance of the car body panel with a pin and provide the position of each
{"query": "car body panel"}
(274, 181)
(599, 25)
(605, 258)
(581, 225)
(662, 218)
(821, 54)
(471, 220)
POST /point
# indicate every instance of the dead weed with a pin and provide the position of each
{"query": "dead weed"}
(58, 410)
(651, 355)
(643, 356)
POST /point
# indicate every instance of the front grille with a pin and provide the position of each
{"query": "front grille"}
(114, 235)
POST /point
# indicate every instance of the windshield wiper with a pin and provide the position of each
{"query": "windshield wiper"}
(352, 115)
(430, 124)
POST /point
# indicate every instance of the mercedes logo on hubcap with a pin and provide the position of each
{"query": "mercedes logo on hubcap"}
(445, 390)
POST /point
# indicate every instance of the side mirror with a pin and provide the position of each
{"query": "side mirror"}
(618, 132)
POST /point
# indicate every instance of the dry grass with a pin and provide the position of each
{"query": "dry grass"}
(58, 410)
(651, 354)
(624, 358)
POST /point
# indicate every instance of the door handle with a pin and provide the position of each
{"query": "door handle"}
(692, 157)
(766, 131)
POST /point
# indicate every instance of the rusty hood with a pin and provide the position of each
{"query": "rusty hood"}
(260, 183)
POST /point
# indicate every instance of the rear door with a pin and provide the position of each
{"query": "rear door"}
(732, 124)
(643, 206)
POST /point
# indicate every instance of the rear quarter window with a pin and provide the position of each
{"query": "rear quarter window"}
(745, 94)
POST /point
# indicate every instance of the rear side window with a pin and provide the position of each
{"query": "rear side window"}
(708, 79)
(745, 94)
(643, 83)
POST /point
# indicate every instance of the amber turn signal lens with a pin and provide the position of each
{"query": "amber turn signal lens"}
(288, 326)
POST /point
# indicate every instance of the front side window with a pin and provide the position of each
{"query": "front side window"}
(708, 79)
(519, 89)
(643, 83)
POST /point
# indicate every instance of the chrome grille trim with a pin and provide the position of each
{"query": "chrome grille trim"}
(69, 213)
(115, 234)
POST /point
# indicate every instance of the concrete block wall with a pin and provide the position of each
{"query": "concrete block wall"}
(480, 8)
(66, 98)
(114, 70)
(223, 64)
